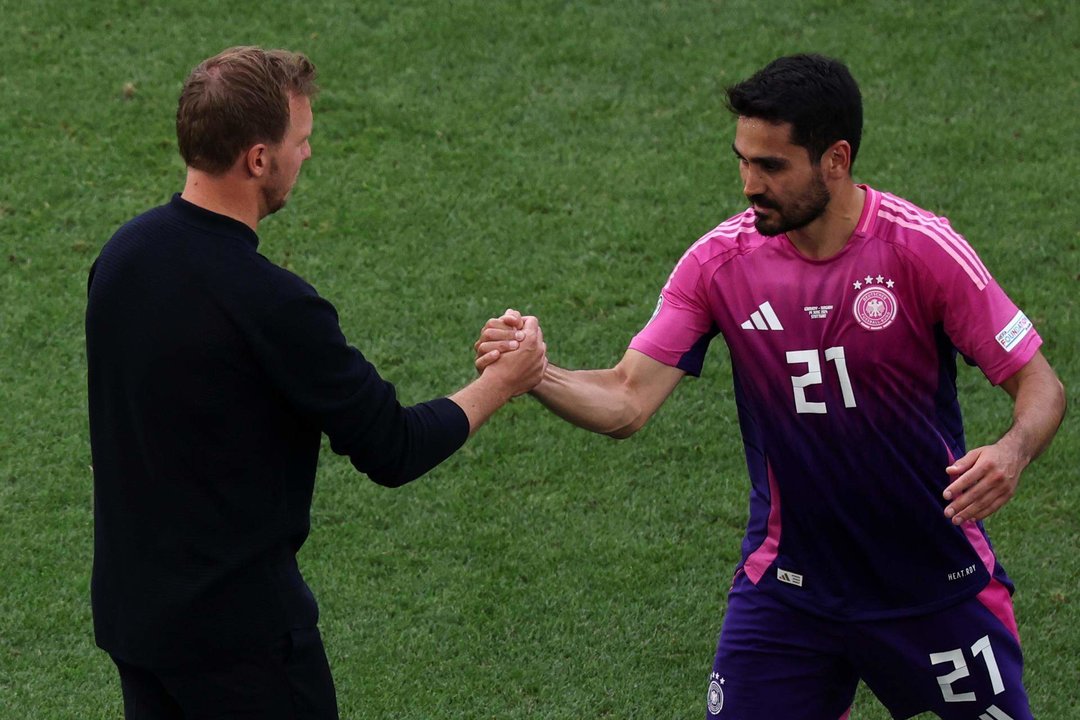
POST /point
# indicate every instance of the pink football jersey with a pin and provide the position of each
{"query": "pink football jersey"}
(845, 381)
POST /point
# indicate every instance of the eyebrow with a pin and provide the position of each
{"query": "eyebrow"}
(776, 161)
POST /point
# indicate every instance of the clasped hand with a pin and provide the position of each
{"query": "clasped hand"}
(512, 345)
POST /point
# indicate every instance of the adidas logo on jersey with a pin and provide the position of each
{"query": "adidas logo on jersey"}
(791, 578)
(764, 318)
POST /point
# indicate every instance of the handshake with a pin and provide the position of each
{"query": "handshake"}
(511, 352)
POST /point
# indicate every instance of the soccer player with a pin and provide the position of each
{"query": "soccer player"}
(212, 375)
(843, 308)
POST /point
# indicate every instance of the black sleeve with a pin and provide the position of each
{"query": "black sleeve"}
(90, 278)
(331, 384)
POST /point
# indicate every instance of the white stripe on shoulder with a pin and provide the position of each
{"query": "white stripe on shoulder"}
(733, 226)
(728, 230)
(950, 242)
(913, 211)
(873, 197)
(941, 232)
(962, 262)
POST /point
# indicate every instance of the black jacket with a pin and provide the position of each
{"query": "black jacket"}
(212, 374)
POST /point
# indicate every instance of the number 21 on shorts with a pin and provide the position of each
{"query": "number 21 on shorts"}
(960, 670)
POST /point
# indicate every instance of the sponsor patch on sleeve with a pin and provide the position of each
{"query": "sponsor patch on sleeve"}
(1015, 331)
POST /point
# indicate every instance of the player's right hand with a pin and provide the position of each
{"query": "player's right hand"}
(499, 335)
(521, 369)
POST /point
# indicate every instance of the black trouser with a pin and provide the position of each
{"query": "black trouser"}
(291, 682)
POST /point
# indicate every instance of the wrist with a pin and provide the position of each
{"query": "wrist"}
(1015, 444)
(496, 388)
(546, 381)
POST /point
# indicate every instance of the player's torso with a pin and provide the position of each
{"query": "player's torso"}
(843, 337)
(847, 405)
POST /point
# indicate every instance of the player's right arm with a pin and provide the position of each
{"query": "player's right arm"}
(616, 401)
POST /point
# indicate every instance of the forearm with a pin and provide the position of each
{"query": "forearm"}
(480, 399)
(616, 402)
(596, 400)
(986, 477)
(1037, 412)
(428, 434)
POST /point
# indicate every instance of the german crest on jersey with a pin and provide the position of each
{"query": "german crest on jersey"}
(716, 694)
(875, 306)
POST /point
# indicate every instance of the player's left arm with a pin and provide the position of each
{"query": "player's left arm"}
(985, 478)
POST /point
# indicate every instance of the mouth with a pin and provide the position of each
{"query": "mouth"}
(760, 205)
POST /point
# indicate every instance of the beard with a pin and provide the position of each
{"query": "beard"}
(796, 213)
(276, 192)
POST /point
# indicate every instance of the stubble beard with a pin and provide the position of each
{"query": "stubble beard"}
(800, 212)
(275, 193)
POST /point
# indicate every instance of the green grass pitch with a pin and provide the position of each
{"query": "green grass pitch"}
(555, 156)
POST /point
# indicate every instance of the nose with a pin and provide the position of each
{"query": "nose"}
(751, 180)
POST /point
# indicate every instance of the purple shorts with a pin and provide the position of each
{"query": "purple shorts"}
(773, 661)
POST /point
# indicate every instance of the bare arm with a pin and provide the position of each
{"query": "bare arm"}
(617, 401)
(986, 477)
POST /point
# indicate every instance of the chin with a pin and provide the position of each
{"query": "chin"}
(273, 204)
(768, 230)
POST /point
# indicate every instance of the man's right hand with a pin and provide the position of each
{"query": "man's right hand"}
(513, 366)
(511, 348)
(499, 336)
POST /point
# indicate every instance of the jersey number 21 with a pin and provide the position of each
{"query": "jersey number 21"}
(812, 360)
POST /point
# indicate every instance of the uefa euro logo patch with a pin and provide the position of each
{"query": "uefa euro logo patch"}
(875, 306)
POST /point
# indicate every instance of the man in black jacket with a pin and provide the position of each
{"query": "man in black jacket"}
(212, 375)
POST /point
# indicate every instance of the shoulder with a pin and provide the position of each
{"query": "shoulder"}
(927, 238)
(218, 255)
(139, 246)
(279, 282)
(273, 303)
(902, 219)
(143, 226)
(735, 237)
(256, 282)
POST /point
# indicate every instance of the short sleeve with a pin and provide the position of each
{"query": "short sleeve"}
(980, 319)
(679, 332)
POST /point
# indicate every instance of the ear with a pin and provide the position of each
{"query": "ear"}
(836, 161)
(257, 160)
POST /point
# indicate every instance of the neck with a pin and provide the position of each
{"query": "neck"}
(223, 194)
(828, 235)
